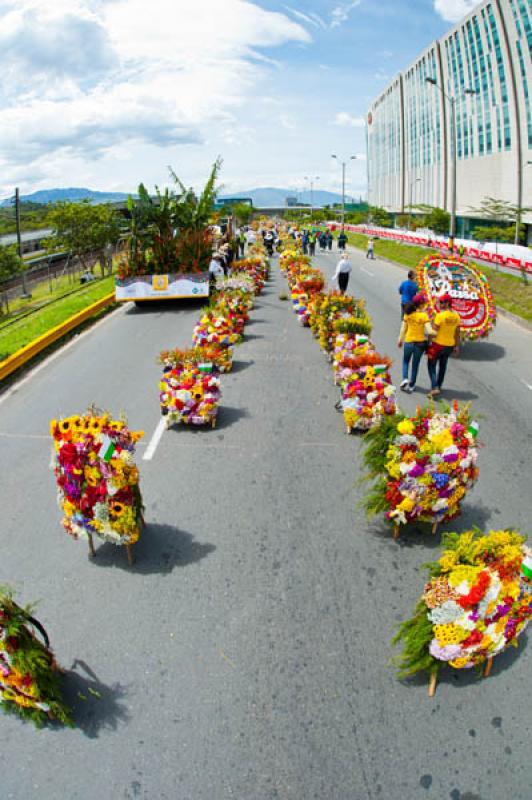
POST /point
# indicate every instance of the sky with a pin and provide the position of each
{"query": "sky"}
(107, 93)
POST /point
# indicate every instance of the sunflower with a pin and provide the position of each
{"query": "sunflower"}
(64, 425)
(117, 508)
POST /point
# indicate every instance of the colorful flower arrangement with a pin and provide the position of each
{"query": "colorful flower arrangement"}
(469, 289)
(255, 266)
(337, 314)
(346, 346)
(97, 480)
(368, 392)
(29, 676)
(477, 602)
(215, 328)
(189, 391)
(421, 466)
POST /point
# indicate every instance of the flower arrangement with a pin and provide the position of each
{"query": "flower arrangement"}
(346, 346)
(189, 391)
(214, 328)
(97, 480)
(469, 289)
(368, 393)
(29, 676)
(477, 602)
(255, 266)
(421, 466)
(210, 355)
(336, 314)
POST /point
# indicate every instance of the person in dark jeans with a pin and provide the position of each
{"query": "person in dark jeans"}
(330, 238)
(342, 240)
(343, 270)
(446, 326)
(415, 322)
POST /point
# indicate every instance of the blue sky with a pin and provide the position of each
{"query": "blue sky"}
(106, 93)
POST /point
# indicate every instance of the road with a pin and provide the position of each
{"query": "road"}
(246, 654)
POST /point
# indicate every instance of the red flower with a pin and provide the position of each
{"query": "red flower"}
(477, 592)
(474, 638)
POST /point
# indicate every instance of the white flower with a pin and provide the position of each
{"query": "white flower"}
(447, 612)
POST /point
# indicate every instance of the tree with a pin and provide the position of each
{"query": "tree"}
(10, 263)
(438, 220)
(378, 216)
(84, 230)
(494, 233)
(242, 212)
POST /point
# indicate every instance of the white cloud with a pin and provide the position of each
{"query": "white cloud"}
(99, 74)
(454, 10)
(346, 120)
(340, 13)
(310, 18)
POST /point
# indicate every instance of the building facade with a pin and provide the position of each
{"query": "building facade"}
(484, 66)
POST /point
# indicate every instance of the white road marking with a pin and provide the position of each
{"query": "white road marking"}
(23, 435)
(528, 386)
(367, 272)
(155, 439)
(59, 352)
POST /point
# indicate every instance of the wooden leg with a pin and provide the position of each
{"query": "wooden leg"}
(130, 554)
(487, 668)
(213, 422)
(435, 527)
(396, 532)
(432, 684)
(92, 551)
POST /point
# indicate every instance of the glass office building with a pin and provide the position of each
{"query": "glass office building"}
(485, 65)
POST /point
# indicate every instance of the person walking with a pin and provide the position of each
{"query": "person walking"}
(342, 241)
(251, 237)
(370, 251)
(343, 270)
(408, 289)
(312, 243)
(241, 242)
(330, 239)
(445, 339)
(323, 241)
(413, 340)
(304, 242)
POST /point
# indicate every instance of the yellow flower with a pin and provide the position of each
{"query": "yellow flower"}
(53, 425)
(405, 427)
(69, 508)
(464, 573)
(448, 560)
(393, 469)
(407, 504)
(442, 440)
(459, 663)
(450, 634)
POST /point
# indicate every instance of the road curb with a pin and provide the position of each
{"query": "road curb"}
(25, 354)
(523, 323)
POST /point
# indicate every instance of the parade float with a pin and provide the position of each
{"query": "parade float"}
(422, 466)
(477, 602)
(29, 675)
(367, 391)
(170, 244)
(468, 288)
(189, 391)
(97, 479)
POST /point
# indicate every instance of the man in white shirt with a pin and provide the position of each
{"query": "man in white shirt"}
(216, 269)
(343, 268)
(251, 237)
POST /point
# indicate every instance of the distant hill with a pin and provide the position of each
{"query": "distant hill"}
(269, 196)
(46, 196)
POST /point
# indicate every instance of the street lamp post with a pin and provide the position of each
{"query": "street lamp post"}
(452, 101)
(412, 184)
(311, 181)
(343, 163)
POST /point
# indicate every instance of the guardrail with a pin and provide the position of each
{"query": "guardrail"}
(423, 240)
(25, 354)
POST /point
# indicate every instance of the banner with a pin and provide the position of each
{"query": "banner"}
(162, 287)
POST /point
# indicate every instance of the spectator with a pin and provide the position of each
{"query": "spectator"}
(342, 241)
(446, 331)
(343, 269)
(330, 238)
(407, 290)
(370, 252)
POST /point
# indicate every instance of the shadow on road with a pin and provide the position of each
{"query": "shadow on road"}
(239, 366)
(420, 535)
(482, 351)
(159, 550)
(448, 395)
(94, 705)
(168, 306)
(229, 415)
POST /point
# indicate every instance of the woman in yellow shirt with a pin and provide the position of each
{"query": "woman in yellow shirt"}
(412, 333)
(446, 326)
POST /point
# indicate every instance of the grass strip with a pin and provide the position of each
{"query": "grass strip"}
(509, 291)
(30, 328)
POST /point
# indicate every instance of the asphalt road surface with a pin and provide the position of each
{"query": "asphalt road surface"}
(246, 653)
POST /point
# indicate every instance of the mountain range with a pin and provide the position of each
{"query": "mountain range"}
(46, 196)
(262, 197)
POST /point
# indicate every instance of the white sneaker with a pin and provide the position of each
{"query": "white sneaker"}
(403, 384)
(409, 388)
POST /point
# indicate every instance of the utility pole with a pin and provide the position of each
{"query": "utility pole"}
(343, 163)
(25, 292)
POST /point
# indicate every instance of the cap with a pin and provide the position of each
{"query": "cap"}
(445, 298)
(420, 299)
